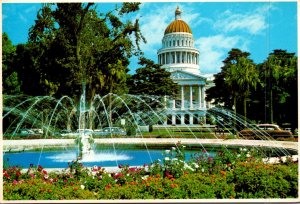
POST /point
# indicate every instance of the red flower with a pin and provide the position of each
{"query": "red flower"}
(6, 175)
(108, 186)
(44, 171)
(15, 182)
(118, 175)
(173, 185)
(132, 169)
(18, 173)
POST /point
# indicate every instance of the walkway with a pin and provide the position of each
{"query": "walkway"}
(17, 145)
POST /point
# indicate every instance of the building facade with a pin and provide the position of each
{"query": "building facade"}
(179, 56)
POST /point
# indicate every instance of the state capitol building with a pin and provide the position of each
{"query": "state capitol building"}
(179, 56)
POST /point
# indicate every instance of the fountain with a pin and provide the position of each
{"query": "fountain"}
(52, 116)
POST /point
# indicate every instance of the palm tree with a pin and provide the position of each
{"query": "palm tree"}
(240, 78)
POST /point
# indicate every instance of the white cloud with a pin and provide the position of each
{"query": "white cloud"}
(254, 22)
(214, 49)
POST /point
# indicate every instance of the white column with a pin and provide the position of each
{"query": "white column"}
(186, 58)
(173, 119)
(182, 119)
(182, 97)
(191, 119)
(191, 97)
(193, 58)
(180, 57)
(175, 58)
(165, 56)
(204, 94)
(174, 104)
(200, 98)
(166, 121)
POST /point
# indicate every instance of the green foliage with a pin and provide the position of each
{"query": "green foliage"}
(233, 176)
(258, 180)
(71, 45)
(152, 75)
(11, 83)
(268, 88)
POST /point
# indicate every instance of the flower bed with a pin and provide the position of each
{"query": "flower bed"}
(238, 174)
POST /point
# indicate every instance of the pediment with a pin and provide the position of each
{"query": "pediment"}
(186, 76)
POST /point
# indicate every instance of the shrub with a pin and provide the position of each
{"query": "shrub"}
(258, 180)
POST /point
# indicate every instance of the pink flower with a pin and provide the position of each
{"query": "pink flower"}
(15, 182)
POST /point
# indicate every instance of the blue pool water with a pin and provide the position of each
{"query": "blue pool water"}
(104, 158)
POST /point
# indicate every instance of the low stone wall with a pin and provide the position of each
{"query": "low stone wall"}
(48, 143)
(22, 145)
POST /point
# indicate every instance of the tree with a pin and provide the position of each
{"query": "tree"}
(11, 84)
(79, 47)
(221, 93)
(280, 77)
(152, 80)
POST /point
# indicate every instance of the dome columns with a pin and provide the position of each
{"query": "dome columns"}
(178, 57)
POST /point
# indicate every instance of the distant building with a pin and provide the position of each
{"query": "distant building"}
(179, 56)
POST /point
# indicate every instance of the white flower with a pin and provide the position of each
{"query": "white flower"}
(174, 159)
(183, 146)
(167, 151)
(46, 176)
(145, 177)
(202, 169)
(238, 155)
(196, 165)
(248, 155)
(245, 149)
(167, 158)
(173, 148)
(186, 166)
(82, 187)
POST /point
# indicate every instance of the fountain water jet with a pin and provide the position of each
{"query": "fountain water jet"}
(52, 115)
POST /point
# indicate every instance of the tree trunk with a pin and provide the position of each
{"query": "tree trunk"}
(271, 106)
(91, 112)
(110, 105)
(245, 111)
(234, 121)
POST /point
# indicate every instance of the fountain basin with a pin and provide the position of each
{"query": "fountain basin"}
(20, 145)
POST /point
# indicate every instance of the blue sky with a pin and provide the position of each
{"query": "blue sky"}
(255, 27)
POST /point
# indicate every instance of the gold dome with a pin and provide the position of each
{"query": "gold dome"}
(178, 25)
